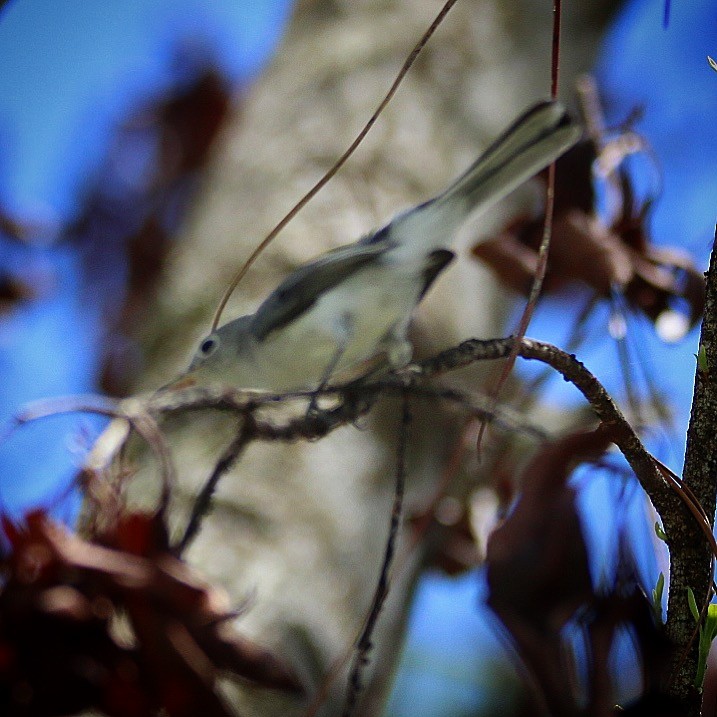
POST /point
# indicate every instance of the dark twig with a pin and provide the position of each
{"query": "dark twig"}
(572, 370)
(202, 504)
(541, 267)
(352, 403)
(356, 400)
(365, 643)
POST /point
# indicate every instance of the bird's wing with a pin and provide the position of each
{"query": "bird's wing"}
(303, 287)
(436, 262)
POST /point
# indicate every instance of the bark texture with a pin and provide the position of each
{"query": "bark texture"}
(690, 555)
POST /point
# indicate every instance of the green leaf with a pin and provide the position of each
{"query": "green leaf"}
(710, 626)
(708, 631)
(693, 605)
(657, 596)
(660, 533)
(702, 364)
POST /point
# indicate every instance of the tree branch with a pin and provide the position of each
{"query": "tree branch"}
(357, 399)
(691, 559)
(690, 552)
(572, 370)
(365, 641)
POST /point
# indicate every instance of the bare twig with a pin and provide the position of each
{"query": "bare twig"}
(351, 403)
(693, 504)
(337, 165)
(357, 399)
(365, 644)
(542, 265)
(622, 433)
(202, 504)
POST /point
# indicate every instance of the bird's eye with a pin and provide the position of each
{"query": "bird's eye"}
(209, 346)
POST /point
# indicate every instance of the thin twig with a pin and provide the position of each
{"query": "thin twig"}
(692, 503)
(202, 504)
(541, 267)
(357, 399)
(365, 643)
(339, 163)
(622, 433)
(353, 402)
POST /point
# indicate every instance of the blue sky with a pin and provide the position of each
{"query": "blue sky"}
(71, 67)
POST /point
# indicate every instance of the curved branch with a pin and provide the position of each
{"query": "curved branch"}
(574, 371)
(356, 399)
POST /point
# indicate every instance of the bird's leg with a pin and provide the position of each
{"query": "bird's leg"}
(344, 333)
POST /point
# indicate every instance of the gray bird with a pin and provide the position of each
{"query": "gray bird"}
(345, 315)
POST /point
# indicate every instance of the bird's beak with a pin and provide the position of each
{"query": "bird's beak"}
(182, 381)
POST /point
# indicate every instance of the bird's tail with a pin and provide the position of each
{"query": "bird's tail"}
(537, 138)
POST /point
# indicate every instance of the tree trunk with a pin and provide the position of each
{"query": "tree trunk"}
(690, 555)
